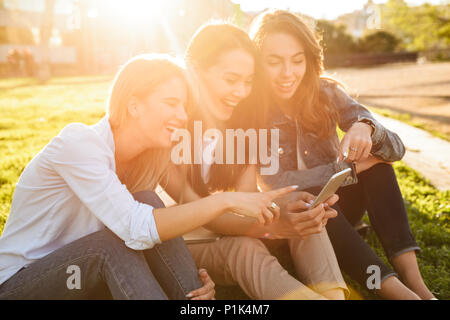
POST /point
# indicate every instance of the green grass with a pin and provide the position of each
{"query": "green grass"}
(429, 216)
(31, 114)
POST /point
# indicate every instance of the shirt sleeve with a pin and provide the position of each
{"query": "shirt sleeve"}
(387, 145)
(83, 160)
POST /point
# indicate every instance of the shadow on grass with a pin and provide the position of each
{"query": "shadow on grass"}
(438, 118)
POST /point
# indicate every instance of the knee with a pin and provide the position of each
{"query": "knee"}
(105, 242)
(150, 198)
(381, 169)
(173, 244)
(245, 246)
(335, 294)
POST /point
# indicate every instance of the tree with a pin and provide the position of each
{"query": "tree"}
(421, 27)
(380, 41)
(335, 38)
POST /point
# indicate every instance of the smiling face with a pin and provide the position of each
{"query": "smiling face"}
(228, 82)
(162, 112)
(284, 64)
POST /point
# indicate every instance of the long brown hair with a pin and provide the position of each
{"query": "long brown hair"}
(206, 46)
(314, 110)
(137, 78)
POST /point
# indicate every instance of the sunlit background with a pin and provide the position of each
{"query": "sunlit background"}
(91, 37)
(319, 9)
(58, 59)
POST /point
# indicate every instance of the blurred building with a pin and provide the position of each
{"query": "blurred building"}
(20, 29)
(359, 21)
(96, 36)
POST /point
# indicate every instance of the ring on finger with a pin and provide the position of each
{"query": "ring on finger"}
(273, 206)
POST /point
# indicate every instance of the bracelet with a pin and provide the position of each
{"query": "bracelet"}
(368, 122)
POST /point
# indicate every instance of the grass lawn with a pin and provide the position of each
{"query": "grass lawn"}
(31, 114)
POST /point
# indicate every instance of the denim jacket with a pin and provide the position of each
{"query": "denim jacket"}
(320, 155)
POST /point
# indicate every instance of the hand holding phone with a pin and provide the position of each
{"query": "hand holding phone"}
(331, 187)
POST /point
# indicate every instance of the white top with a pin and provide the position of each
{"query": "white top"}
(69, 190)
(209, 148)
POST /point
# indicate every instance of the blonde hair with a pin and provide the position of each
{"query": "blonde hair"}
(137, 78)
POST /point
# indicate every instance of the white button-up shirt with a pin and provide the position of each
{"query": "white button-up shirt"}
(69, 190)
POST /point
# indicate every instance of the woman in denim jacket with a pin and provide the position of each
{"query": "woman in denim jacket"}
(306, 108)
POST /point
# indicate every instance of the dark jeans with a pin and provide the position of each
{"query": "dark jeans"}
(377, 192)
(108, 268)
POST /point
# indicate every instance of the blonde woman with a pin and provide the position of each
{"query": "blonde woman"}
(74, 228)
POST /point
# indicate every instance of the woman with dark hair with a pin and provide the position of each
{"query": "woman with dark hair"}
(306, 107)
(223, 63)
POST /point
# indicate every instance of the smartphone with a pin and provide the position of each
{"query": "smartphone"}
(331, 187)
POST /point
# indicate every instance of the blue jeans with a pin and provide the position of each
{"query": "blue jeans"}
(108, 268)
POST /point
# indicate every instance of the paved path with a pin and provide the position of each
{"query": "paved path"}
(425, 153)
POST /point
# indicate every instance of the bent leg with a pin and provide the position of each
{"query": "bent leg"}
(174, 268)
(316, 264)
(170, 261)
(354, 255)
(101, 257)
(387, 213)
(388, 216)
(247, 262)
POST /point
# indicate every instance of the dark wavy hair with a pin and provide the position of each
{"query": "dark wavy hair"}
(314, 110)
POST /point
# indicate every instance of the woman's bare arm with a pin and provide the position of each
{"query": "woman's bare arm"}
(228, 223)
(203, 213)
(303, 223)
(234, 225)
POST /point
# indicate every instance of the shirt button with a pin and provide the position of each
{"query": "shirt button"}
(280, 151)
